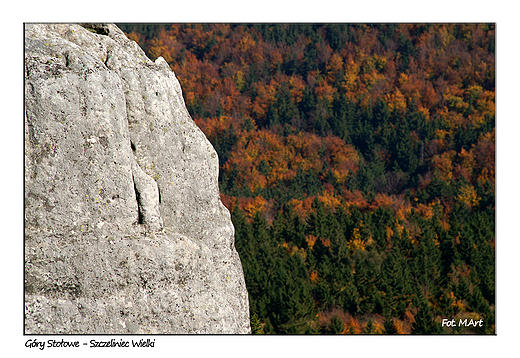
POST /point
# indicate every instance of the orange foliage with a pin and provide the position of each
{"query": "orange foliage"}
(265, 95)
(352, 323)
(246, 43)
(425, 211)
(296, 87)
(329, 200)
(396, 100)
(228, 201)
(302, 207)
(441, 72)
(285, 156)
(382, 200)
(355, 199)
(444, 163)
(137, 37)
(399, 326)
(465, 166)
(252, 206)
(344, 159)
(311, 240)
(325, 242)
(484, 153)
(325, 91)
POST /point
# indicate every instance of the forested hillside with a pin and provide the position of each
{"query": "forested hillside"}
(358, 162)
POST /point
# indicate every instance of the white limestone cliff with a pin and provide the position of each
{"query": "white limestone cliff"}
(125, 232)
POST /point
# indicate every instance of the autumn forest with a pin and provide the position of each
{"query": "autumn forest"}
(358, 163)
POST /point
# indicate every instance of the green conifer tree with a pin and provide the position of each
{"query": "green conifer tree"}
(389, 326)
(336, 325)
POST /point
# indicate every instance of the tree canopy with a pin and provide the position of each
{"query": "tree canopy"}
(358, 162)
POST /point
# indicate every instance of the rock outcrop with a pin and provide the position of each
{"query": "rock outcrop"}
(125, 232)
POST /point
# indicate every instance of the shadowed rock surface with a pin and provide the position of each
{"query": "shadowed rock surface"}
(124, 228)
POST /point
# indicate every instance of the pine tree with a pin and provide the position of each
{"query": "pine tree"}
(256, 325)
(424, 323)
(336, 325)
(389, 326)
(369, 328)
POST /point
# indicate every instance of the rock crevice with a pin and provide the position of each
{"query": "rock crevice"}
(147, 194)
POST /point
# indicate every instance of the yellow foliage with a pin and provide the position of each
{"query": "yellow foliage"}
(356, 242)
(403, 78)
(445, 36)
(468, 195)
(399, 227)
(458, 305)
(247, 42)
(399, 326)
(356, 235)
(330, 202)
(425, 111)
(396, 100)
(373, 78)
(351, 76)
(389, 232)
(239, 80)
(436, 241)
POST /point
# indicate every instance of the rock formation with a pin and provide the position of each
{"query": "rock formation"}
(125, 232)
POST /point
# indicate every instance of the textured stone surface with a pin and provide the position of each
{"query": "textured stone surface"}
(125, 230)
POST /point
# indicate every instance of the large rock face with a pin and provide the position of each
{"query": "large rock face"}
(124, 228)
